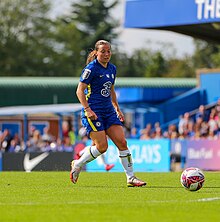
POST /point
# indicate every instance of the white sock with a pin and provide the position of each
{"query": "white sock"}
(126, 161)
(90, 154)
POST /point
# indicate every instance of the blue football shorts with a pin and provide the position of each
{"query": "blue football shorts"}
(104, 121)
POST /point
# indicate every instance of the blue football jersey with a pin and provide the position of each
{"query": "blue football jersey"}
(99, 80)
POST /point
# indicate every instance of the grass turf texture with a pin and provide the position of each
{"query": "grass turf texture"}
(50, 196)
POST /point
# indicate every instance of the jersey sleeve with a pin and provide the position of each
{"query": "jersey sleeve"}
(87, 75)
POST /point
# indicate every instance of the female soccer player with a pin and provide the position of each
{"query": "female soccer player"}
(101, 115)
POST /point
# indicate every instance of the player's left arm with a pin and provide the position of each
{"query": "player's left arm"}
(115, 104)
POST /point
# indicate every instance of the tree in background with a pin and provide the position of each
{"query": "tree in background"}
(94, 22)
(25, 37)
(207, 55)
(181, 68)
(68, 60)
(157, 66)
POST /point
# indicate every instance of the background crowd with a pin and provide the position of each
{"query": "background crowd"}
(205, 123)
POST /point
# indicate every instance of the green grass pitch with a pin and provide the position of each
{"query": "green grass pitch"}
(50, 196)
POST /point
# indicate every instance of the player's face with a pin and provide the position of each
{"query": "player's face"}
(104, 54)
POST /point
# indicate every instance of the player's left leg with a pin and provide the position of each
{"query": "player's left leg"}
(116, 134)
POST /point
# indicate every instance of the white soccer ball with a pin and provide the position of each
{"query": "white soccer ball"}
(192, 179)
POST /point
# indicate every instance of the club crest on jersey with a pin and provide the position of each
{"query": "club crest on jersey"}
(86, 73)
(112, 76)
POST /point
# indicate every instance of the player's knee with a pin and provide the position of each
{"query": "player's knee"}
(123, 143)
(102, 147)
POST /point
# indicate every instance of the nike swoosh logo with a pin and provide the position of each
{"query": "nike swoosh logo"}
(30, 164)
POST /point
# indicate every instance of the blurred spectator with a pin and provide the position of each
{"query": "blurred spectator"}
(212, 135)
(46, 134)
(58, 146)
(171, 132)
(5, 140)
(202, 114)
(134, 133)
(65, 128)
(183, 124)
(157, 132)
(146, 132)
(16, 145)
(72, 135)
(204, 130)
(145, 135)
(34, 144)
(174, 135)
(31, 131)
(191, 130)
(69, 131)
(212, 124)
(218, 122)
(67, 146)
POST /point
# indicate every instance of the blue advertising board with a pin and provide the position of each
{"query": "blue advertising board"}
(148, 156)
(210, 83)
(160, 13)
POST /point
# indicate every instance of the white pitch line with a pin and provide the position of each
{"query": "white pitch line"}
(53, 203)
(186, 201)
(209, 199)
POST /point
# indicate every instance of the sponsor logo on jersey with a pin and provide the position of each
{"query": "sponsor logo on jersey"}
(86, 73)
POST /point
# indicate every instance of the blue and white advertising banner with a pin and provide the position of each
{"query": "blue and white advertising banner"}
(161, 13)
(148, 156)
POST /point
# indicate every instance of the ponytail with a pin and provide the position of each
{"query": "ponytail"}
(91, 56)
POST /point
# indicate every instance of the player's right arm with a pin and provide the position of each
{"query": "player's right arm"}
(82, 98)
(81, 95)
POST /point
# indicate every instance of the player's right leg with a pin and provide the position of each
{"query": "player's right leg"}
(91, 153)
(74, 173)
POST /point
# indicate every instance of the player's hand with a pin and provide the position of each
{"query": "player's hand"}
(120, 115)
(91, 115)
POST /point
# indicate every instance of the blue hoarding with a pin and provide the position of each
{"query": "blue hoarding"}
(160, 13)
(148, 156)
(210, 83)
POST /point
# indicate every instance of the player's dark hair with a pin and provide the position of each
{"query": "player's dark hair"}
(92, 54)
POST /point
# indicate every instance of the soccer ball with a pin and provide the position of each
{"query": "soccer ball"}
(192, 179)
